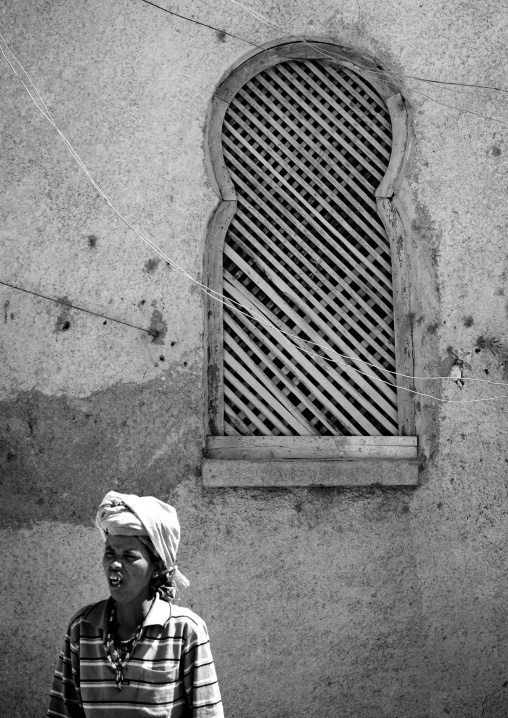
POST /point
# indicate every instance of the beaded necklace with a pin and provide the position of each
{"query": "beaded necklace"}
(118, 659)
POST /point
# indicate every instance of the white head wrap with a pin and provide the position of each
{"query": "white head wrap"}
(143, 516)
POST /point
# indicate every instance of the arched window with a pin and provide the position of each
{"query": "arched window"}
(305, 145)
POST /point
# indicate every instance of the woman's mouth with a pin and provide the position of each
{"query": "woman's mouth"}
(115, 579)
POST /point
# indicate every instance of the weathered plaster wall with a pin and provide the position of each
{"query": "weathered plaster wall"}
(319, 602)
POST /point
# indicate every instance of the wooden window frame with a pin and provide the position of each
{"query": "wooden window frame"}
(251, 461)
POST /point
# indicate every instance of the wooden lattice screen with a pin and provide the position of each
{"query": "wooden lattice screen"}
(306, 144)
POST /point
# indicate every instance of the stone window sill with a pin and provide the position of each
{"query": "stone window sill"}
(231, 473)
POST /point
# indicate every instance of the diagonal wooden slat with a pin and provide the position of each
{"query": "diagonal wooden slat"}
(381, 291)
(332, 236)
(255, 347)
(374, 149)
(271, 405)
(295, 287)
(305, 121)
(353, 416)
(299, 141)
(306, 371)
(372, 333)
(239, 425)
(236, 428)
(363, 84)
(373, 359)
(315, 259)
(309, 375)
(348, 139)
(266, 388)
(354, 101)
(296, 90)
(375, 232)
(358, 90)
(256, 160)
(304, 324)
(238, 399)
(356, 384)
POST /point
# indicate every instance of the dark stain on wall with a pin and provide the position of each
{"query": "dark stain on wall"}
(151, 265)
(59, 456)
(158, 328)
(63, 320)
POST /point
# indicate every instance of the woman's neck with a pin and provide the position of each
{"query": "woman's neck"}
(131, 615)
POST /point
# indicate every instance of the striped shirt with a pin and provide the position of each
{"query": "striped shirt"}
(170, 673)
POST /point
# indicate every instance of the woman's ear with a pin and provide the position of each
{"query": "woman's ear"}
(158, 566)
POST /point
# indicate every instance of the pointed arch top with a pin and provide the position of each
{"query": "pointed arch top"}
(312, 49)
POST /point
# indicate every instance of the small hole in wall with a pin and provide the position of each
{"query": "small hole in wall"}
(65, 326)
(185, 363)
(161, 358)
(104, 322)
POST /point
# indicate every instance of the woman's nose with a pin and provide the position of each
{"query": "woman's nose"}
(115, 565)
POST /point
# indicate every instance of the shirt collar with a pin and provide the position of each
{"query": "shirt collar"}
(158, 615)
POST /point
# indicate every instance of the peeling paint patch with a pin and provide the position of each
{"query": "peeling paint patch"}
(140, 439)
(92, 241)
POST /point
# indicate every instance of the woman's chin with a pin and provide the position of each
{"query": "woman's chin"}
(117, 591)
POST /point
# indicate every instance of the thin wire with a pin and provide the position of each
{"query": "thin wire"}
(74, 306)
(198, 22)
(376, 378)
(270, 23)
(413, 391)
(46, 113)
(444, 84)
(461, 109)
(212, 293)
(490, 88)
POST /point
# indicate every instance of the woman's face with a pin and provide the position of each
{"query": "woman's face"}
(129, 569)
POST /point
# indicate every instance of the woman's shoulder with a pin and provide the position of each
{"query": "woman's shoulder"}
(185, 616)
(94, 611)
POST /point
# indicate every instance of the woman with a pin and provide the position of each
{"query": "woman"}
(137, 654)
